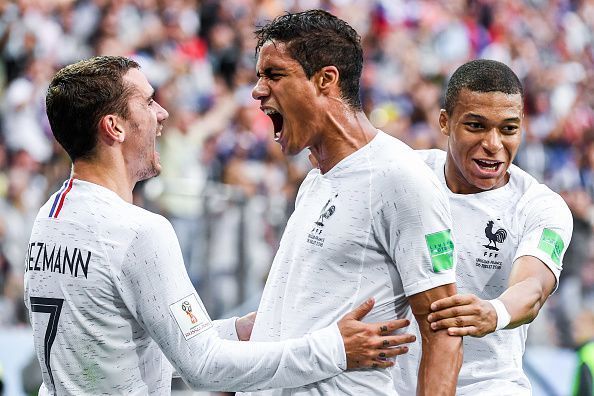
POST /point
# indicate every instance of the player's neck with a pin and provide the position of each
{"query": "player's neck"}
(345, 133)
(110, 177)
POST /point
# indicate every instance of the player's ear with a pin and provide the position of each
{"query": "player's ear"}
(327, 79)
(112, 128)
(443, 122)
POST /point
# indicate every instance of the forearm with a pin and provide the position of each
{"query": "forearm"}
(523, 301)
(226, 328)
(440, 363)
(248, 366)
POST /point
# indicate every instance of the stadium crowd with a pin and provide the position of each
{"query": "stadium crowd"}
(225, 185)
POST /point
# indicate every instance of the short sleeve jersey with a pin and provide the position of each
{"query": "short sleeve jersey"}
(111, 305)
(376, 225)
(493, 229)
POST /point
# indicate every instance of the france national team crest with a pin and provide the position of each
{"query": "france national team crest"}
(315, 235)
(191, 318)
(495, 235)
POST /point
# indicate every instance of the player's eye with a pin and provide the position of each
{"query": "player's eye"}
(473, 125)
(510, 129)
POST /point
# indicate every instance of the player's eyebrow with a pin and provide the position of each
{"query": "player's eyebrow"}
(477, 116)
(268, 71)
(483, 118)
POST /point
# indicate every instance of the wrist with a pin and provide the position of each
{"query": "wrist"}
(503, 316)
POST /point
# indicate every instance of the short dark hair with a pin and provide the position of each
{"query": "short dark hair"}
(81, 94)
(481, 75)
(315, 39)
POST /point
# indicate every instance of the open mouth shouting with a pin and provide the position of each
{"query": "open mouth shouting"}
(277, 122)
(488, 166)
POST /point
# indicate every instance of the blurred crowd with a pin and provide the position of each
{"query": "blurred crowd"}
(225, 185)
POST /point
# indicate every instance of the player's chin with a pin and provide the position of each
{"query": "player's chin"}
(486, 184)
(156, 169)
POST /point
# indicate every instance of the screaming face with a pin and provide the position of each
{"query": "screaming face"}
(288, 97)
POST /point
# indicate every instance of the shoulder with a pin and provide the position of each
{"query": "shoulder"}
(135, 224)
(146, 222)
(402, 161)
(537, 200)
(401, 173)
(433, 158)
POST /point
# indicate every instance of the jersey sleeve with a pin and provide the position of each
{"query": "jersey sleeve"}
(547, 228)
(414, 225)
(157, 291)
(226, 328)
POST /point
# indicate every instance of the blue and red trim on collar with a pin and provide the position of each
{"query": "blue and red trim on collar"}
(60, 197)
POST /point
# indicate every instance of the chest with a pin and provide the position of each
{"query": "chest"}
(331, 218)
(487, 235)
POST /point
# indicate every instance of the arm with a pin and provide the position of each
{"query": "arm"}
(154, 286)
(530, 284)
(535, 273)
(235, 329)
(442, 354)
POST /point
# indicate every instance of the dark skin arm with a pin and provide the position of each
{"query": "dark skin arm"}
(442, 354)
(530, 284)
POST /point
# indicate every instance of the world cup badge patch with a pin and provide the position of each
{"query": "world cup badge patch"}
(190, 316)
(552, 244)
(441, 249)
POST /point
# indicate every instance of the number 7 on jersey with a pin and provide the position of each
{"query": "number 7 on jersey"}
(52, 306)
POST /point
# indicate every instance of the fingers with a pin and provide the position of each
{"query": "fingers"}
(452, 301)
(464, 310)
(466, 331)
(377, 364)
(362, 310)
(389, 353)
(394, 340)
(391, 326)
(381, 358)
(458, 321)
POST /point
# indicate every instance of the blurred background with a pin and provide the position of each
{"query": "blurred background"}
(225, 185)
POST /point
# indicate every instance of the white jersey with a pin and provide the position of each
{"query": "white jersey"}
(493, 229)
(111, 305)
(375, 225)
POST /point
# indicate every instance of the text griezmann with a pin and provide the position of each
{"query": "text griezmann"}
(56, 258)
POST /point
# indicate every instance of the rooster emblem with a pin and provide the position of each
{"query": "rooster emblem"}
(494, 237)
(326, 212)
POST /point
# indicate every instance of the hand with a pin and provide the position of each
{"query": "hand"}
(244, 326)
(463, 314)
(371, 344)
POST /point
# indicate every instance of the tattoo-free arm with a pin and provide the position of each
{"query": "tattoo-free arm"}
(442, 354)
(530, 284)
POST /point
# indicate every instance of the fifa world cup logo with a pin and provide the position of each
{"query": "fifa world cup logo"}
(188, 310)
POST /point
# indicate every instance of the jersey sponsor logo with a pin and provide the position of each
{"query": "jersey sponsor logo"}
(190, 316)
(315, 235)
(552, 244)
(56, 258)
(441, 250)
